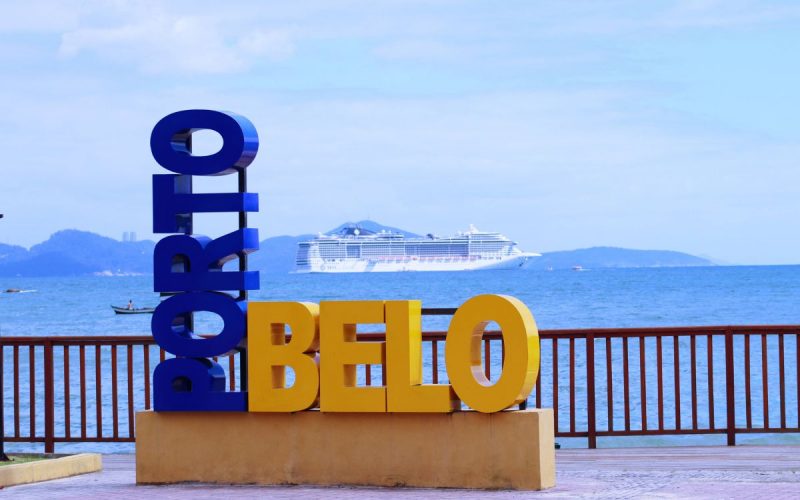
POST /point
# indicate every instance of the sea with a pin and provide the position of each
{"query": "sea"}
(592, 298)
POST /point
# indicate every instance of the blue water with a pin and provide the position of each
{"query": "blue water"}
(558, 299)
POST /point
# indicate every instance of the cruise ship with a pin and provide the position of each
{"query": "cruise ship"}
(354, 249)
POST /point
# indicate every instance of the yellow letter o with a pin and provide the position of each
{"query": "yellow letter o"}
(463, 352)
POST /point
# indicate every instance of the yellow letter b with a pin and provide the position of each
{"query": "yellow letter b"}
(269, 354)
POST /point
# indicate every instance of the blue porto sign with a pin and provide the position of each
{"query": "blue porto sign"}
(188, 268)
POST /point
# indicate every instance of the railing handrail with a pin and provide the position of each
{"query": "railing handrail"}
(655, 331)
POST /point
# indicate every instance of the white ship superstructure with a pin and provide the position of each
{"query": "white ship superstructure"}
(357, 250)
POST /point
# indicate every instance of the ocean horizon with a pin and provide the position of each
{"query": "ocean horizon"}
(594, 298)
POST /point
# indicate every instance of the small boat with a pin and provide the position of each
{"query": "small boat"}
(138, 310)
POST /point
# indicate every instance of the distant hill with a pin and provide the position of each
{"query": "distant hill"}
(72, 252)
(46, 264)
(12, 253)
(277, 254)
(99, 253)
(374, 226)
(597, 257)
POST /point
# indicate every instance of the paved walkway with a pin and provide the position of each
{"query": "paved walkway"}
(687, 472)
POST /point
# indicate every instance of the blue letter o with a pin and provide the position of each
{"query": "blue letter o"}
(182, 342)
(170, 137)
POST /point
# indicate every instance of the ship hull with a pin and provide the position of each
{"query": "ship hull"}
(413, 265)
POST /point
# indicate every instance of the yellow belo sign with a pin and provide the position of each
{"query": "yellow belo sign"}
(324, 351)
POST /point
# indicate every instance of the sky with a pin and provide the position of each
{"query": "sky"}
(650, 125)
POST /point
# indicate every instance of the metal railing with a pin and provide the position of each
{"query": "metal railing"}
(601, 382)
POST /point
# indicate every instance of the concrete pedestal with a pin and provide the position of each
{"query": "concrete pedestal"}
(506, 450)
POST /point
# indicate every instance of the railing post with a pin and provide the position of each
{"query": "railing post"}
(49, 399)
(3, 456)
(729, 388)
(592, 430)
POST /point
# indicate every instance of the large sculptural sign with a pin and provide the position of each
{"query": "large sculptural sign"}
(403, 432)
(323, 350)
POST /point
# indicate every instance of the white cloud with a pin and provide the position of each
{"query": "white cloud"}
(160, 41)
(274, 45)
(206, 37)
(627, 18)
(38, 16)
(720, 13)
(418, 50)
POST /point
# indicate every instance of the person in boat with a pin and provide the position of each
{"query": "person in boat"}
(130, 305)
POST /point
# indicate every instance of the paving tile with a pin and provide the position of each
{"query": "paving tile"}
(687, 472)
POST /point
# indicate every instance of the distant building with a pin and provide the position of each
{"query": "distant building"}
(129, 236)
